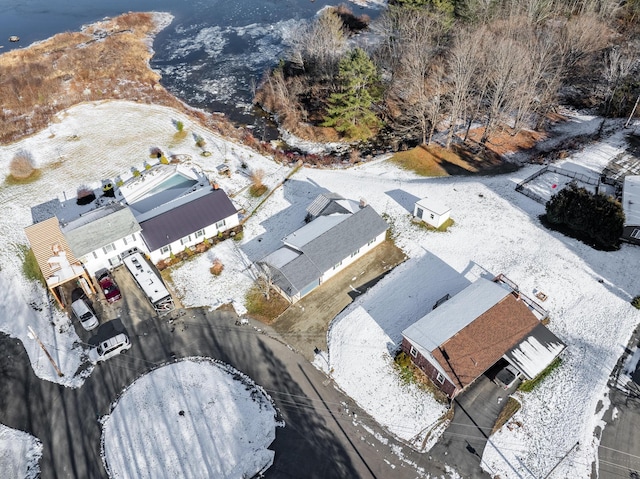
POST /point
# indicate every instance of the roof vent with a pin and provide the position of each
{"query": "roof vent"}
(363, 202)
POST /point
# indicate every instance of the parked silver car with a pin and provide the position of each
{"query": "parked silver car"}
(85, 315)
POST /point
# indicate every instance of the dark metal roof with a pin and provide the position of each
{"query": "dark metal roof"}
(186, 219)
(536, 351)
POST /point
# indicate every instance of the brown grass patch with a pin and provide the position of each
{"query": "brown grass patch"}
(505, 141)
(266, 311)
(435, 160)
(107, 60)
(509, 409)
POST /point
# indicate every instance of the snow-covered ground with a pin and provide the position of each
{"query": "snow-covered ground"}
(496, 230)
(19, 454)
(193, 418)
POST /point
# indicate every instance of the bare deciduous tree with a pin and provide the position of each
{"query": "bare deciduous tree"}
(263, 277)
(317, 47)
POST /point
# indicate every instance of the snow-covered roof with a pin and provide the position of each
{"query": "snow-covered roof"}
(450, 317)
(159, 178)
(631, 200)
(433, 205)
(536, 351)
(312, 230)
(330, 203)
(321, 201)
(99, 227)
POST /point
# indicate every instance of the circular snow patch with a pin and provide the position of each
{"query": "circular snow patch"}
(194, 418)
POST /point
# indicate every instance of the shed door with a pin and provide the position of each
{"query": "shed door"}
(310, 287)
(419, 213)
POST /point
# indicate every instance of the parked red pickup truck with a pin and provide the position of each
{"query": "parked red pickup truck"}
(108, 285)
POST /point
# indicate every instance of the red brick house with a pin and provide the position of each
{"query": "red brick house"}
(462, 338)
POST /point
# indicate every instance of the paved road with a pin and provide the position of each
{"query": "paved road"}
(619, 452)
(320, 440)
(325, 436)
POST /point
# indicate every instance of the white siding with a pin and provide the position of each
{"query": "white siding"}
(350, 259)
(97, 259)
(209, 232)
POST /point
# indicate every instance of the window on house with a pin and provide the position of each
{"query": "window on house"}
(371, 241)
(165, 249)
(185, 240)
(220, 224)
(440, 378)
(131, 239)
(636, 234)
(199, 233)
(114, 261)
(95, 255)
(414, 352)
(355, 252)
(337, 265)
(109, 248)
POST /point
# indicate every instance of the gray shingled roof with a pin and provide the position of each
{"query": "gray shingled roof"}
(328, 249)
(339, 242)
(98, 228)
(294, 275)
(186, 219)
(631, 200)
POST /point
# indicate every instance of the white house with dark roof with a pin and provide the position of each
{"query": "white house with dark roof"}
(187, 221)
(163, 209)
(323, 247)
(631, 208)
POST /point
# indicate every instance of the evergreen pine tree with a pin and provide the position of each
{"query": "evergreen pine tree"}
(349, 109)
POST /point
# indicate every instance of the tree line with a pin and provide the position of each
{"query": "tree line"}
(447, 65)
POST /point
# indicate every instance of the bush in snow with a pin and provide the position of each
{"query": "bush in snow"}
(22, 165)
(595, 219)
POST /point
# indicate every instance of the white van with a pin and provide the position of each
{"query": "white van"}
(83, 312)
(110, 347)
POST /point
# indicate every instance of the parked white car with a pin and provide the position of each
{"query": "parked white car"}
(85, 315)
(110, 347)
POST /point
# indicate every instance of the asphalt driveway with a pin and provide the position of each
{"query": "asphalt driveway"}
(304, 324)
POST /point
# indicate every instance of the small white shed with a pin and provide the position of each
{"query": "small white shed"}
(431, 211)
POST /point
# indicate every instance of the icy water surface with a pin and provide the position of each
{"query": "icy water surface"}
(211, 56)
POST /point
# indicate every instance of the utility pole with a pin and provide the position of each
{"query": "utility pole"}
(55, 366)
(562, 459)
(626, 125)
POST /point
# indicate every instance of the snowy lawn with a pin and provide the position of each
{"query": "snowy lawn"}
(194, 418)
(85, 144)
(496, 230)
(19, 454)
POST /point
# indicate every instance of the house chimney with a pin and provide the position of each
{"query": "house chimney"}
(214, 185)
(363, 203)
